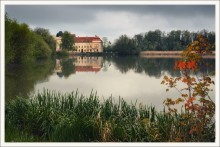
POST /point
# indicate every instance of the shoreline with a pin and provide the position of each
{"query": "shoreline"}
(149, 54)
(169, 54)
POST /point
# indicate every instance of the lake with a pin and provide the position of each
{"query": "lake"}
(133, 78)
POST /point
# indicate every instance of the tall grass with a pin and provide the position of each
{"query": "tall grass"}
(55, 117)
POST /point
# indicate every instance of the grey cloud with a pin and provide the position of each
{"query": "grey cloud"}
(49, 14)
(166, 10)
(114, 20)
(85, 13)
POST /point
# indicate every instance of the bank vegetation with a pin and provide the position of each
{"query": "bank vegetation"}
(55, 117)
(24, 45)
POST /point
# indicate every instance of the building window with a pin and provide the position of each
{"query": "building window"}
(96, 45)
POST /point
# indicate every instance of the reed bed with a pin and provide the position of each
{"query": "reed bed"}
(71, 117)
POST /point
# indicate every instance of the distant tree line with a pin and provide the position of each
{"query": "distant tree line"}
(23, 45)
(156, 41)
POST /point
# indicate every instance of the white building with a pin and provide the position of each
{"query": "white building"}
(84, 44)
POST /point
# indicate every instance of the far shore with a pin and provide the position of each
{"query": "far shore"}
(152, 54)
(168, 54)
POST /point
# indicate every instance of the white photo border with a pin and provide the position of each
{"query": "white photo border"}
(91, 2)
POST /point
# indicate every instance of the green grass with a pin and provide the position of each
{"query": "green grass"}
(55, 117)
(13, 134)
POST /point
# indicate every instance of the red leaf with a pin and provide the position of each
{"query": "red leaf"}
(182, 65)
(191, 65)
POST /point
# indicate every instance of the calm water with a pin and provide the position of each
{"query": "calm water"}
(133, 78)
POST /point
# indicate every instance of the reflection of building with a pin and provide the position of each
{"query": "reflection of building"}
(58, 68)
(80, 64)
(88, 64)
(83, 44)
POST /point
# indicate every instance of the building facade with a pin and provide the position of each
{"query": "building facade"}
(88, 44)
(58, 43)
(84, 44)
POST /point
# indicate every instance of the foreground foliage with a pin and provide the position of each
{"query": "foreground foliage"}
(71, 117)
(198, 108)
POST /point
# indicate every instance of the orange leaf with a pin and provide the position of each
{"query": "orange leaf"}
(185, 80)
(189, 101)
(182, 65)
(191, 65)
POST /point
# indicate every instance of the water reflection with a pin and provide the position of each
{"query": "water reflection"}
(131, 77)
(20, 80)
(88, 64)
(155, 67)
(151, 67)
(65, 67)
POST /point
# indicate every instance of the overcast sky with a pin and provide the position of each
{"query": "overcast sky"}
(111, 21)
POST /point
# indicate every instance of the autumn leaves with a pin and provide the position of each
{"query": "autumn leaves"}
(199, 109)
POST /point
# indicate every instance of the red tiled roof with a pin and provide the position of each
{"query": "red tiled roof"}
(86, 39)
(86, 69)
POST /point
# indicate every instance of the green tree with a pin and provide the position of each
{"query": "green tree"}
(124, 45)
(156, 40)
(41, 48)
(9, 28)
(47, 37)
(106, 44)
(153, 40)
(139, 41)
(60, 33)
(23, 45)
(67, 41)
(173, 40)
(21, 41)
(211, 38)
(185, 38)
